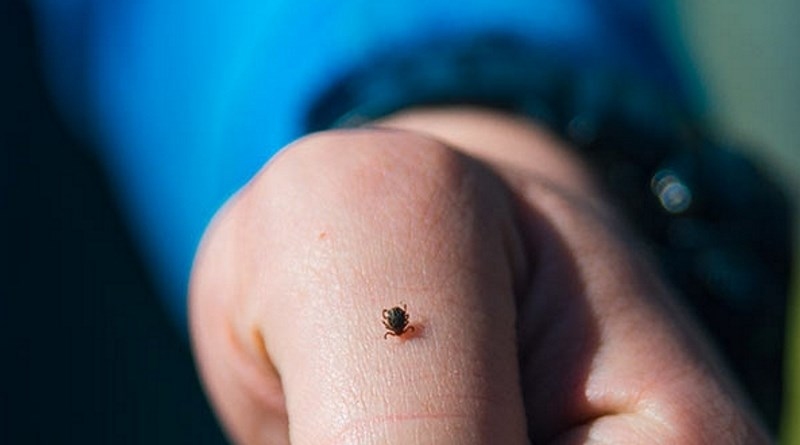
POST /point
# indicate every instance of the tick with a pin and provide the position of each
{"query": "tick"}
(396, 321)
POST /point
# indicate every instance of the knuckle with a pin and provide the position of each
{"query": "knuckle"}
(344, 205)
(399, 175)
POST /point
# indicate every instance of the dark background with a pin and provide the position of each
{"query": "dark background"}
(88, 354)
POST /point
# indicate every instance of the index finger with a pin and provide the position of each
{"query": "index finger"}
(292, 287)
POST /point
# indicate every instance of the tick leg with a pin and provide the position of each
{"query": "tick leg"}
(409, 329)
(388, 333)
(388, 326)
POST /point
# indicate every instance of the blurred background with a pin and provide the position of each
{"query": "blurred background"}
(748, 57)
(91, 355)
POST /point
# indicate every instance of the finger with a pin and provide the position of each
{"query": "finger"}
(290, 289)
(638, 367)
(606, 354)
(237, 373)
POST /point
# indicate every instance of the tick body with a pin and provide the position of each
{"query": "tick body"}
(396, 321)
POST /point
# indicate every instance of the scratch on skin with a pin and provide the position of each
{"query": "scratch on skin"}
(356, 430)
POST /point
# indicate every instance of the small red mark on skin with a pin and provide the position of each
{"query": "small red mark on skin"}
(322, 235)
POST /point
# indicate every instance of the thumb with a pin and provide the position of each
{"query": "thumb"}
(290, 289)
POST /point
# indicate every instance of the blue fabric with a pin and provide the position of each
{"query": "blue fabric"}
(189, 98)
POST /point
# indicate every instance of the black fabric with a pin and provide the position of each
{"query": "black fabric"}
(89, 356)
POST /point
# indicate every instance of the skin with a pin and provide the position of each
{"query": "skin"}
(538, 316)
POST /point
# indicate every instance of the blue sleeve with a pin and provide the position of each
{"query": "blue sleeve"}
(188, 99)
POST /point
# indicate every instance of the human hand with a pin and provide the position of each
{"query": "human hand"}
(536, 316)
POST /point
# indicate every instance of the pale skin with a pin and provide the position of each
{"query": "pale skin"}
(538, 318)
